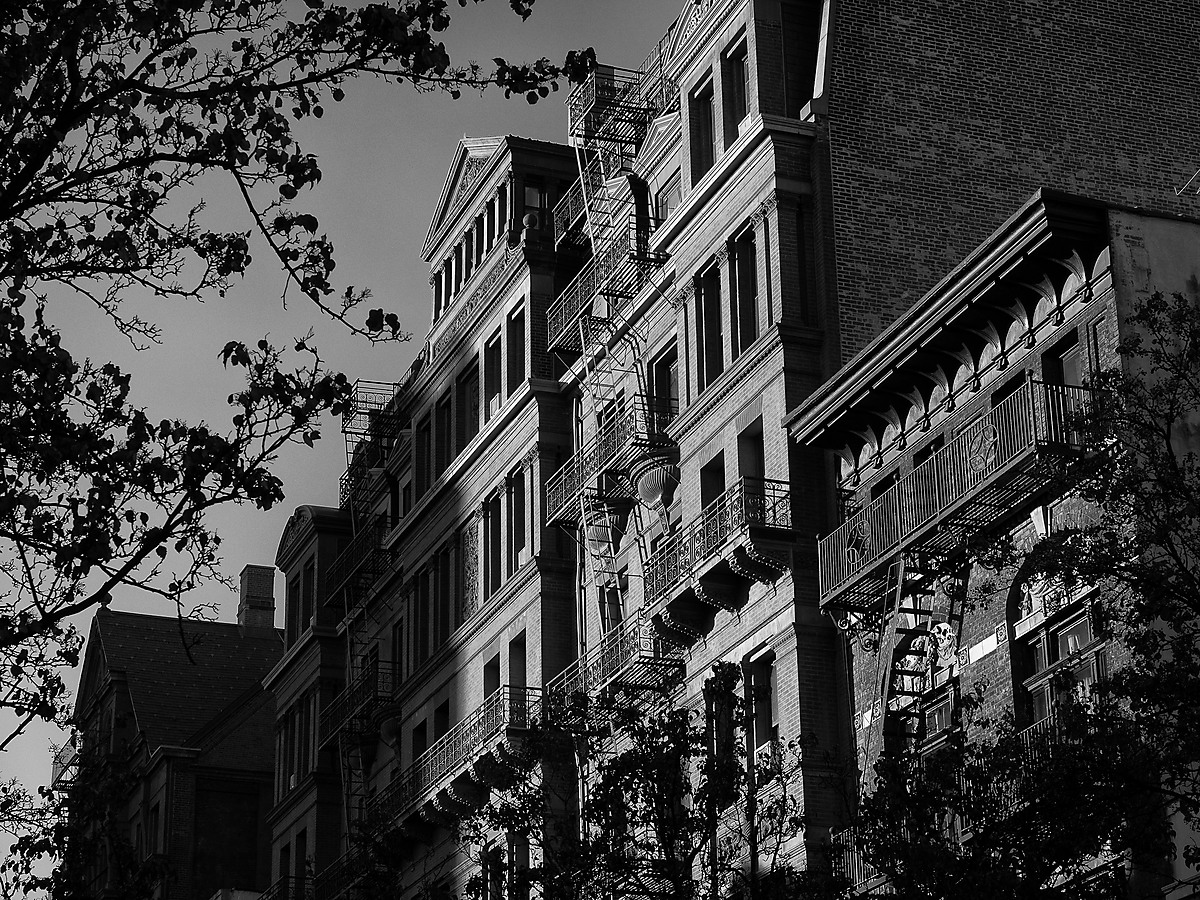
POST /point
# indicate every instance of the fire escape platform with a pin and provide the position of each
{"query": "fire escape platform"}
(633, 656)
(984, 479)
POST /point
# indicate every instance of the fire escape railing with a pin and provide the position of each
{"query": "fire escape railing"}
(507, 707)
(289, 887)
(339, 876)
(364, 560)
(375, 683)
(631, 641)
(645, 418)
(749, 502)
(618, 269)
(571, 208)
(983, 450)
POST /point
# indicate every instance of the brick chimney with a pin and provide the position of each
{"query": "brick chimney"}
(256, 604)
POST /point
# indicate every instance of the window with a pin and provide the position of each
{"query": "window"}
(491, 676)
(668, 198)
(308, 592)
(421, 460)
(398, 655)
(444, 598)
(516, 351)
(492, 560)
(736, 83)
(467, 406)
(743, 292)
(516, 520)
(712, 479)
(292, 614)
(762, 696)
(516, 661)
(752, 460)
(710, 354)
(479, 240)
(420, 740)
(700, 110)
(491, 376)
(468, 254)
(612, 601)
(537, 202)
(1062, 658)
(423, 601)
(491, 223)
(437, 294)
(664, 381)
(441, 719)
(443, 446)
(938, 716)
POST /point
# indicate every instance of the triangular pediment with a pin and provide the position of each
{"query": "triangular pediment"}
(468, 165)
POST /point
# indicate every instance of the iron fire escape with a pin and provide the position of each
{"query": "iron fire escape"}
(603, 490)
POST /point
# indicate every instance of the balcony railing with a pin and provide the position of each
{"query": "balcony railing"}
(1035, 416)
(848, 861)
(646, 418)
(748, 503)
(508, 707)
(571, 208)
(289, 887)
(619, 268)
(336, 879)
(630, 654)
(364, 560)
(617, 104)
(376, 683)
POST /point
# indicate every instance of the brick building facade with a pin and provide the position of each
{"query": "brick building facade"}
(584, 482)
(178, 707)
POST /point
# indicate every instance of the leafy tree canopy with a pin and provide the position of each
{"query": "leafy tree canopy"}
(111, 113)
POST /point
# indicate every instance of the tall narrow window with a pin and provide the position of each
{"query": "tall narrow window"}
(667, 200)
(291, 629)
(421, 460)
(398, 654)
(421, 627)
(751, 452)
(491, 676)
(516, 520)
(437, 294)
(743, 292)
(516, 350)
(710, 360)
(736, 83)
(308, 593)
(492, 546)
(700, 109)
(491, 376)
(537, 202)
(468, 253)
(491, 223)
(445, 605)
(664, 384)
(479, 240)
(443, 447)
(712, 479)
(466, 408)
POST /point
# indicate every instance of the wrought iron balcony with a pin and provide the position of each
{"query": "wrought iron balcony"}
(571, 208)
(375, 684)
(630, 655)
(642, 423)
(750, 503)
(848, 862)
(336, 879)
(977, 480)
(364, 560)
(289, 887)
(509, 708)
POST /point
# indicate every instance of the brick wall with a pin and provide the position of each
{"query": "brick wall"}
(944, 117)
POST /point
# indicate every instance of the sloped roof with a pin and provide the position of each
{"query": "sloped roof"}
(470, 158)
(174, 697)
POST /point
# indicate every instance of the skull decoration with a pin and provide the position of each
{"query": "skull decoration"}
(944, 644)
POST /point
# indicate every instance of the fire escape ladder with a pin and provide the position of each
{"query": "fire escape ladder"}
(920, 634)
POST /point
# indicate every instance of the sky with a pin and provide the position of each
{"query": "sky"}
(384, 152)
